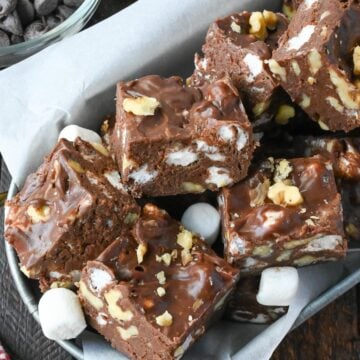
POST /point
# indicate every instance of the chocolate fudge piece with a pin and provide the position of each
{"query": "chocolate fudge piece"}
(243, 306)
(288, 212)
(170, 139)
(68, 212)
(318, 62)
(239, 46)
(153, 294)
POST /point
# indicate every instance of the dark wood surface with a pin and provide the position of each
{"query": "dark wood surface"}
(331, 334)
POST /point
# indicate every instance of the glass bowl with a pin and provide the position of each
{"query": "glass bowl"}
(73, 24)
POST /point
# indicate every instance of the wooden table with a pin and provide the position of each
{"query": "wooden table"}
(331, 334)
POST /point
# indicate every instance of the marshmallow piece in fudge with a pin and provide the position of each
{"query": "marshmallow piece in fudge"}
(170, 139)
(239, 46)
(287, 212)
(243, 306)
(152, 295)
(68, 212)
(61, 315)
(71, 132)
(317, 62)
(278, 286)
(204, 220)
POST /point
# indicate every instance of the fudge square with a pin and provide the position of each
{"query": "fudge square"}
(239, 46)
(68, 212)
(170, 139)
(318, 62)
(287, 212)
(153, 294)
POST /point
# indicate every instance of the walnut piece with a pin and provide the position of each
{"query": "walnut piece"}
(126, 334)
(36, 215)
(259, 193)
(258, 25)
(185, 239)
(90, 297)
(160, 291)
(112, 297)
(140, 252)
(142, 106)
(192, 187)
(356, 60)
(161, 277)
(76, 166)
(271, 19)
(276, 69)
(235, 27)
(282, 194)
(165, 319)
(284, 113)
(282, 170)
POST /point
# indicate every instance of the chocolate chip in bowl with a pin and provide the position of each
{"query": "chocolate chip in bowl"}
(28, 26)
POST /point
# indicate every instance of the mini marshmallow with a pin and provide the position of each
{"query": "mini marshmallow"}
(71, 132)
(61, 315)
(202, 219)
(278, 286)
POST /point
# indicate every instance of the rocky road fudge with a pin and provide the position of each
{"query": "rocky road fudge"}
(318, 62)
(240, 46)
(243, 306)
(288, 212)
(68, 212)
(152, 294)
(170, 138)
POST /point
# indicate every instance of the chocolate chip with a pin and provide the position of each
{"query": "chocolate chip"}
(54, 20)
(45, 7)
(16, 39)
(35, 29)
(65, 11)
(4, 39)
(73, 3)
(7, 7)
(12, 24)
(26, 11)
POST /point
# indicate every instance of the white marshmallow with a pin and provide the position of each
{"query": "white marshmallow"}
(61, 315)
(278, 286)
(71, 132)
(202, 219)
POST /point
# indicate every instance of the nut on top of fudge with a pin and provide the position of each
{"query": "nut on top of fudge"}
(68, 212)
(153, 294)
(239, 46)
(288, 212)
(170, 138)
(318, 62)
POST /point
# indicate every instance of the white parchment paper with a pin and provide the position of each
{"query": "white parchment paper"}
(73, 82)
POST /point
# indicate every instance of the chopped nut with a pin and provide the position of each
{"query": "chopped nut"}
(309, 222)
(271, 19)
(335, 103)
(185, 239)
(305, 102)
(295, 243)
(259, 193)
(186, 257)
(179, 352)
(165, 258)
(165, 319)
(284, 256)
(36, 215)
(130, 218)
(100, 148)
(258, 25)
(305, 260)
(323, 125)
(311, 80)
(143, 105)
(126, 334)
(288, 11)
(161, 277)
(140, 252)
(161, 291)
(351, 230)
(127, 163)
(235, 27)
(76, 166)
(192, 187)
(112, 297)
(281, 194)
(314, 59)
(89, 296)
(356, 60)
(174, 254)
(348, 93)
(259, 108)
(276, 69)
(262, 251)
(295, 66)
(282, 170)
(284, 113)
(197, 304)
